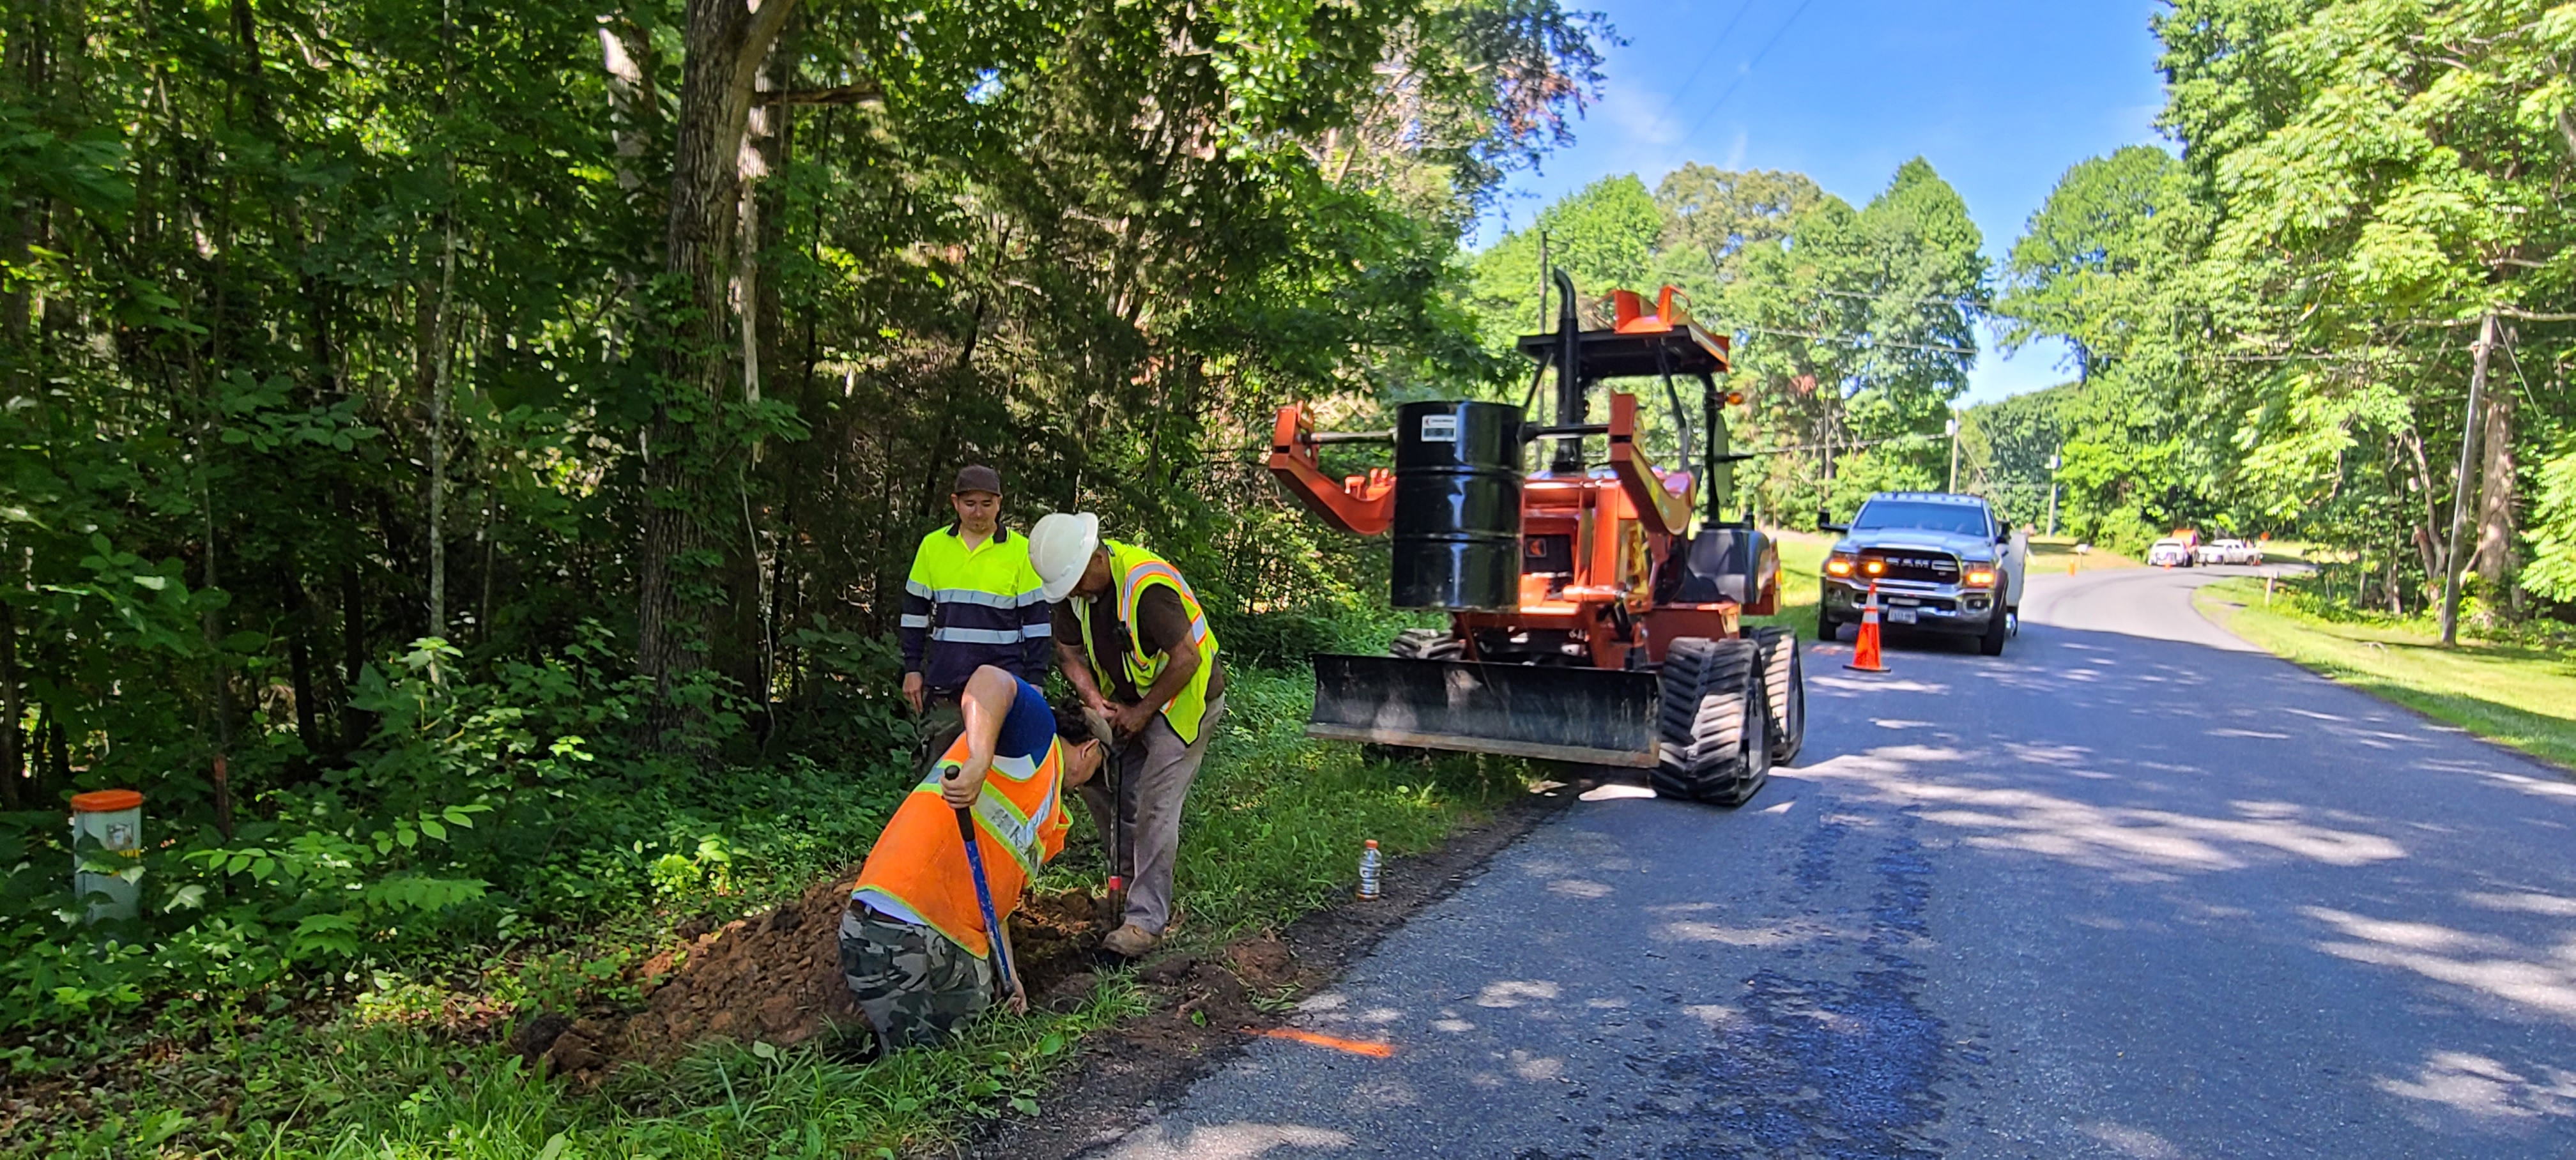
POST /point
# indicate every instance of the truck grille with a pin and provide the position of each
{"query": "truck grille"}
(1924, 567)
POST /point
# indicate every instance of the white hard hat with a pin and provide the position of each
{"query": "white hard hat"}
(1060, 548)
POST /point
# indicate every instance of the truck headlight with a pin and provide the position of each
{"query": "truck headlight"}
(1981, 577)
(1838, 565)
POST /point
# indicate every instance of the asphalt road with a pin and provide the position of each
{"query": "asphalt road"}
(2132, 889)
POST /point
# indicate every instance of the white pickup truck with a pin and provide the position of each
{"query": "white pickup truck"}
(2230, 552)
(1941, 562)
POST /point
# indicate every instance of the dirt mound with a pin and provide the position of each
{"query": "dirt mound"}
(775, 977)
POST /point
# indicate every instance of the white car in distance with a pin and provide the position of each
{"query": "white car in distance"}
(2230, 552)
(2170, 553)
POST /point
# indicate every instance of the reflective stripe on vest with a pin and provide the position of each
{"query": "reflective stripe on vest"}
(1138, 569)
(919, 865)
(984, 589)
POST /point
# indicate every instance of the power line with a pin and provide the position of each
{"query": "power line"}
(1961, 302)
(1748, 69)
(1849, 445)
(1718, 45)
(1852, 341)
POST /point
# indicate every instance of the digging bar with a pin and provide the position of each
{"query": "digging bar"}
(983, 890)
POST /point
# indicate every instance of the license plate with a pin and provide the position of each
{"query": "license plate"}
(1900, 616)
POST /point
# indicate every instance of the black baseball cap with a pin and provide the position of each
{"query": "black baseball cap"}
(977, 478)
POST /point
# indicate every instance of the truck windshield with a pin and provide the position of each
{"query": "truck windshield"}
(1956, 518)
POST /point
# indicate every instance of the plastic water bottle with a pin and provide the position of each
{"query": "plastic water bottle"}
(1368, 870)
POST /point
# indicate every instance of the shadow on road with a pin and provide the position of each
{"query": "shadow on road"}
(2215, 796)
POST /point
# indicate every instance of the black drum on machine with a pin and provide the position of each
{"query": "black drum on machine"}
(1457, 506)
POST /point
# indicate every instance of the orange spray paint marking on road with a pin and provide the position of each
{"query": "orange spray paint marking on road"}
(1336, 1042)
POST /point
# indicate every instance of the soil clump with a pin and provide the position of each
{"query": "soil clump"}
(774, 977)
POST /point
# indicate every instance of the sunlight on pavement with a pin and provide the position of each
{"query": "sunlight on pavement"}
(2102, 837)
(1616, 791)
(2487, 964)
(1774, 935)
(1237, 1141)
(2486, 1088)
(2536, 787)
(1817, 681)
(2525, 903)
(1515, 992)
(2137, 1142)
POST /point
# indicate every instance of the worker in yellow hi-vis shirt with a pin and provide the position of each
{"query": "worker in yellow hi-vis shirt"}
(971, 601)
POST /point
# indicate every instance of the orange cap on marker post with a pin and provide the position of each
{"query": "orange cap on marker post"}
(106, 801)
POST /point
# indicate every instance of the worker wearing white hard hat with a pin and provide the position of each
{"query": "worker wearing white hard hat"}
(1132, 638)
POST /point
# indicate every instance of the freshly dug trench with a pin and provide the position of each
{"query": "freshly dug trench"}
(775, 977)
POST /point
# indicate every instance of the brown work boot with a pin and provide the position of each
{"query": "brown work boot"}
(1129, 941)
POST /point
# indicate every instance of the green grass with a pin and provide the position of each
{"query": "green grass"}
(1274, 829)
(343, 1090)
(1802, 565)
(2051, 554)
(2521, 694)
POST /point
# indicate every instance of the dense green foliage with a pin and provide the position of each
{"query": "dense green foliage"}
(2276, 331)
(459, 459)
(2273, 326)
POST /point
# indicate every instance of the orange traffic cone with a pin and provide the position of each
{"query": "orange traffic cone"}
(1865, 650)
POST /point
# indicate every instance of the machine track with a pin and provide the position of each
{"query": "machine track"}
(1715, 746)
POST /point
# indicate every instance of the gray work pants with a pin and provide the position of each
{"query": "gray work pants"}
(1154, 774)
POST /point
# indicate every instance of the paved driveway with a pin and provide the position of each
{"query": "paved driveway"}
(2133, 889)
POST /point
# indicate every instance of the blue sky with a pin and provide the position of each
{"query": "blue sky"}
(2000, 96)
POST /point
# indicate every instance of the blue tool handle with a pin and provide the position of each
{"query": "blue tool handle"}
(983, 888)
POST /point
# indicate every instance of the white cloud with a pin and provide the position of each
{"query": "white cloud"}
(1641, 117)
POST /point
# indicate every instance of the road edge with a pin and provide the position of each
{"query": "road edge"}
(2202, 600)
(1123, 1078)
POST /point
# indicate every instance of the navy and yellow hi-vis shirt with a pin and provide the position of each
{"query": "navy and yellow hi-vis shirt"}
(968, 607)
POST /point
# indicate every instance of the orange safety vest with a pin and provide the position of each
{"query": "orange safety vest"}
(919, 864)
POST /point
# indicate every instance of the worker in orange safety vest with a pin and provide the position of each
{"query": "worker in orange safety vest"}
(913, 945)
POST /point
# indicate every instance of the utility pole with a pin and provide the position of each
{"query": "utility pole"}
(2054, 462)
(1954, 453)
(2460, 493)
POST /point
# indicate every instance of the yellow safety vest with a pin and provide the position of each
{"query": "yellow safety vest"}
(964, 607)
(1137, 570)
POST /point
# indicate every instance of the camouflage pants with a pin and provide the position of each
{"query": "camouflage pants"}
(917, 987)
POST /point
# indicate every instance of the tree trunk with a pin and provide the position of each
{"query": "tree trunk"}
(57, 757)
(725, 42)
(442, 355)
(355, 723)
(299, 664)
(2463, 496)
(13, 752)
(2494, 557)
